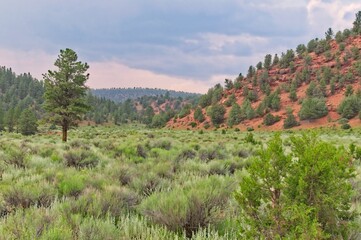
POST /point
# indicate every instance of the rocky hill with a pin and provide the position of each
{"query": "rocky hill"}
(318, 84)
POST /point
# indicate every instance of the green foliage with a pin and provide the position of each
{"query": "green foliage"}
(301, 49)
(216, 113)
(311, 46)
(293, 94)
(259, 66)
(350, 106)
(345, 126)
(80, 158)
(198, 115)
(236, 116)
(339, 37)
(313, 108)
(357, 23)
(42, 197)
(186, 110)
(252, 95)
(349, 90)
(65, 90)
(322, 46)
(287, 58)
(270, 119)
(290, 120)
(158, 121)
(28, 122)
(276, 60)
(285, 198)
(247, 110)
(329, 34)
(188, 209)
(71, 185)
(251, 71)
(314, 90)
(341, 47)
(231, 100)
(228, 84)
(267, 61)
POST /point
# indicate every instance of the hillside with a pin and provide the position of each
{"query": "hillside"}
(23, 92)
(122, 94)
(317, 85)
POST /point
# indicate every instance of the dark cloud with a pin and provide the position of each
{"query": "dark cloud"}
(178, 38)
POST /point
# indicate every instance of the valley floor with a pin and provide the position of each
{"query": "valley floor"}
(130, 182)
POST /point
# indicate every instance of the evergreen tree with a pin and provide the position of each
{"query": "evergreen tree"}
(357, 23)
(65, 91)
(28, 122)
(235, 115)
(301, 49)
(198, 115)
(293, 95)
(2, 116)
(349, 90)
(247, 110)
(259, 66)
(269, 119)
(332, 86)
(228, 84)
(290, 120)
(267, 61)
(313, 108)
(216, 112)
(329, 34)
(350, 106)
(251, 72)
(276, 60)
(9, 120)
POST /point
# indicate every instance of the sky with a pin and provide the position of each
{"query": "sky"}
(186, 45)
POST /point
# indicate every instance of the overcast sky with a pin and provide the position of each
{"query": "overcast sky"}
(187, 45)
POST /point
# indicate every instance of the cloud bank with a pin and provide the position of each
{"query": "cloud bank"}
(180, 44)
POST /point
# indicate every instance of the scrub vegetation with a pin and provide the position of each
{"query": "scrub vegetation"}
(130, 182)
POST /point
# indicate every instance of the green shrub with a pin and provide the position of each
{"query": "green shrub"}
(188, 209)
(211, 153)
(71, 185)
(163, 143)
(313, 108)
(193, 124)
(250, 139)
(349, 107)
(80, 158)
(269, 119)
(250, 129)
(98, 229)
(290, 120)
(16, 156)
(198, 115)
(25, 195)
(216, 113)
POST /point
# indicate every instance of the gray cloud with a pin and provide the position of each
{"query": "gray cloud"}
(185, 38)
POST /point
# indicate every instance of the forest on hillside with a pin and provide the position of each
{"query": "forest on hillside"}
(123, 94)
(19, 93)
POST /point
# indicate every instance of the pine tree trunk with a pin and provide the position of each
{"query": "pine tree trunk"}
(65, 132)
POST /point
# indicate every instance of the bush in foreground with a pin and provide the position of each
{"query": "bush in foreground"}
(303, 195)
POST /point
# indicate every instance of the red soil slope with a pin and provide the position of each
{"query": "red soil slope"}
(278, 77)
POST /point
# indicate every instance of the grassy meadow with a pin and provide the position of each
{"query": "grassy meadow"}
(132, 182)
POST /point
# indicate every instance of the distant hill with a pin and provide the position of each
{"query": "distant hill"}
(317, 84)
(22, 92)
(122, 94)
